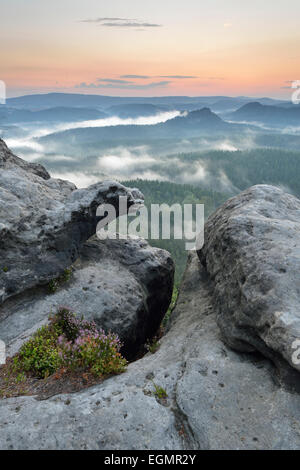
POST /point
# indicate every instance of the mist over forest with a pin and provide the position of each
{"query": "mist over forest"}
(175, 149)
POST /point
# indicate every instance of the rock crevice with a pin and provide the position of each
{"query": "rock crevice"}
(241, 299)
(217, 398)
(252, 254)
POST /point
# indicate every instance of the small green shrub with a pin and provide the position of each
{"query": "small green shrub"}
(54, 284)
(40, 354)
(5, 269)
(71, 343)
(153, 346)
(66, 275)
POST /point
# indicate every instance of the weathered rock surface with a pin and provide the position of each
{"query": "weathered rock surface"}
(124, 285)
(44, 221)
(9, 161)
(252, 253)
(247, 283)
(217, 398)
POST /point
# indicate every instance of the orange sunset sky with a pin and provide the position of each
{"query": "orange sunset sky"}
(150, 48)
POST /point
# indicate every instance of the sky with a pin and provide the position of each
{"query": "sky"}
(150, 48)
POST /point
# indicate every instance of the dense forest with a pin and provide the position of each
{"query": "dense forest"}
(249, 167)
(159, 192)
(241, 168)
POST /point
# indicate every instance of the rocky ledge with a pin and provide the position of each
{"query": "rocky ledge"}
(217, 398)
(252, 253)
(125, 286)
(225, 374)
(44, 221)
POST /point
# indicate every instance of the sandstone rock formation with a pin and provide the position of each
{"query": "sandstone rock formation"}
(124, 285)
(225, 361)
(252, 254)
(217, 398)
(44, 221)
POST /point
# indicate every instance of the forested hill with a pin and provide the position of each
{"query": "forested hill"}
(159, 192)
(272, 115)
(241, 169)
(249, 167)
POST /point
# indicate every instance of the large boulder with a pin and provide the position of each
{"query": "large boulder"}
(252, 254)
(44, 221)
(217, 398)
(247, 283)
(123, 285)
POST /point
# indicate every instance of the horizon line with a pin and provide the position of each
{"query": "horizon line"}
(143, 96)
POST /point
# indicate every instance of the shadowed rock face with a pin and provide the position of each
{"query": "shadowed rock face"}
(44, 221)
(217, 398)
(123, 285)
(252, 254)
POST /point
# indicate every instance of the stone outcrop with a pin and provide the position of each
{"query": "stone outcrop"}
(252, 254)
(217, 398)
(44, 221)
(123, 285)
(226, 360)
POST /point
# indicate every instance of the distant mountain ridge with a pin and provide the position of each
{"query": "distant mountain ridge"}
(56, 114)
(266, 114)
(217, 103)
(192, 124)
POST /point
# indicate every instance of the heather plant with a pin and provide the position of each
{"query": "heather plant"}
(94, 351)
(71, 343)
(72, 326)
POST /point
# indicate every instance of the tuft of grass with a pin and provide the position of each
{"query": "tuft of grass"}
(54, 284)
(5, 269)
(153, 346)
(171, 306)
(160, 392)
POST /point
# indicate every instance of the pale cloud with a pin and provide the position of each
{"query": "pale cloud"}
(123, 84)
(177, 77)
(141, 77)
(145, 77)
(117, 22)
(131, 24)
(101, 20)
(80, 179)
(114, 81)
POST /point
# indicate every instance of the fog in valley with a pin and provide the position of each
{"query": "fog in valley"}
(157, 143)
